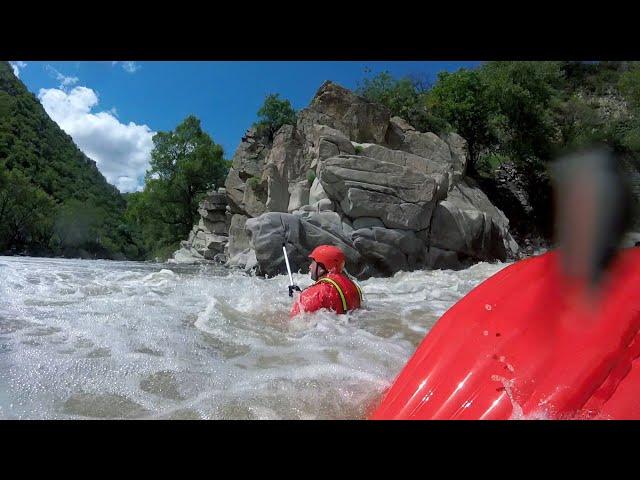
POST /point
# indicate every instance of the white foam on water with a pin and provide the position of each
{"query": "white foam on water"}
(102, 339)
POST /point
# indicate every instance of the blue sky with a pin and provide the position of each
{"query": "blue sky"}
(112, 109)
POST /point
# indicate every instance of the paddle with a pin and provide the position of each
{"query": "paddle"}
(292, 287)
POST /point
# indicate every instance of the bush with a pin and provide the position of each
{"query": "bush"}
(258, 187)
(311, 176)
(274, 113)
(489, 163)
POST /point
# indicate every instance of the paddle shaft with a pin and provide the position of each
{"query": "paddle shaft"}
(286, 259)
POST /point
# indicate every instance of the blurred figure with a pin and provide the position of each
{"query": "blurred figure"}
(593, 211)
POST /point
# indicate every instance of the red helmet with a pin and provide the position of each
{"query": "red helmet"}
(330, 257)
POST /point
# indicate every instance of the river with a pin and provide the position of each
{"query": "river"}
(88, 339)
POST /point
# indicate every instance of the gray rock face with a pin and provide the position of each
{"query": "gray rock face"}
(208, 244)
(402, 136)
(186, 255)
(255, 197)
(394, 213)
(437, 258)
(392, 179)
(390, 250)
(316, 193)
(248, 162)
(367, 187)
(238, 237)
(391, 197)
(249, 158)
(219, 228)
(367, 222)
(404, 159)
(245, 260)
(428, 145)
(459, 153)
(269, 231)
(298, 195)
(286, 163)
(324, 142)
(235, 191)
(320, 206)
(467, 222)
(331, 222)
(337, 107)
(208, 238)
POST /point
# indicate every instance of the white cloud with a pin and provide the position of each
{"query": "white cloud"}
(121, 151)
(64, 80)
(129, 66)
(16, 66)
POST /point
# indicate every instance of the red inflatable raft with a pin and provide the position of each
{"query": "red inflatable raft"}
(520, 345)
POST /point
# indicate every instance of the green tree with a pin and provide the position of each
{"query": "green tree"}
(33, 146)
(629, 130)
(629, 86)
(274, 113)
(185, 163)
(78, 226)
(462, 99)
(524, 94)
(404, 98)
(26, 212)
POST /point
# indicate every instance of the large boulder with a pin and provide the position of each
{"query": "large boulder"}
(270, 231)
(245, 260)
(402, 136)
(186, 255)
(468, 224)
(339, 108)
(298, 195)
(250, 156)
(329, 221)
(208, 238)
(255, 197)
(217, 227)
(366, 222)
(248, 162)
(390, 250)
(238, 237)
(286, 164)
(439, 259)
(213, 214)
(404, 159)
(459, 153)
(316, 193)
(323, 142)
(428, 145)
(208, 244)
(396, 132)
(235, 187)
(366, 187)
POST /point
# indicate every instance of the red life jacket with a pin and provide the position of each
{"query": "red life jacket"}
(350, 294)
(334, 291)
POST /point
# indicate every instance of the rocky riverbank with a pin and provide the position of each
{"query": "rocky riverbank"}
(349, 174)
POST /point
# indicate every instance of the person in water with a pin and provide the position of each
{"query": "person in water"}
(332, 289)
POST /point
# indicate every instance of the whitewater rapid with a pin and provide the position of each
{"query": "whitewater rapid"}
(86, 339)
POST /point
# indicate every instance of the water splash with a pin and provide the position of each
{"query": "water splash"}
(101, 339)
